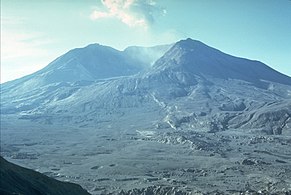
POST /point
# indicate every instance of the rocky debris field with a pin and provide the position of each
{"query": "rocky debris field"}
(106, 161)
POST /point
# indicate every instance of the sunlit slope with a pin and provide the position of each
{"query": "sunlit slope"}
(191, 87)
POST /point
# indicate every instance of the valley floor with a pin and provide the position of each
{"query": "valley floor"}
(108, 159)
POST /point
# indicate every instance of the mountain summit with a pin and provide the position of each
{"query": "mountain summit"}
(195, 57)
(191, 86)
(90, 63)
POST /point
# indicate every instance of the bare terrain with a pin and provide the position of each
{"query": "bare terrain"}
(108, 160)
(196, 121)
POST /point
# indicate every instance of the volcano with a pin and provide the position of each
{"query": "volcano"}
(152, 119)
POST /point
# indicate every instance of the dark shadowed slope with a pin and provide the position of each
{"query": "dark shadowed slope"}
(18, 180)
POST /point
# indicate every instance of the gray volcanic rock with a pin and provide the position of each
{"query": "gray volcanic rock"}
(18, 180)
(192, 86)
(273, 118)
(192, 78)
(194, 57)
(158, 190)
(155, 190)
(197, 120)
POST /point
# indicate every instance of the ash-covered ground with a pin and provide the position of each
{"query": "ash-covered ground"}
(108, 160)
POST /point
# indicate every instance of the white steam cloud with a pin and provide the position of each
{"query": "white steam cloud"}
(131, 12)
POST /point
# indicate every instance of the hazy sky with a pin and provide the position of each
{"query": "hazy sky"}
(35, 32)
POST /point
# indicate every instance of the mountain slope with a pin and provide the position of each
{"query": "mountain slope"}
(83, 64)
(18, 180)
(194, 57)
(203, 88)
(192, 87)
(194, 118)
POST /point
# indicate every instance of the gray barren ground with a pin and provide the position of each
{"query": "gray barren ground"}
(195, 121)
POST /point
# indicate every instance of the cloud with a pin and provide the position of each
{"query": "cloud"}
(134, 13)
(22, 52)
(16, 42)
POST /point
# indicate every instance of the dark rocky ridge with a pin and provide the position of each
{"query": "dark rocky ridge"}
(18, 180)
